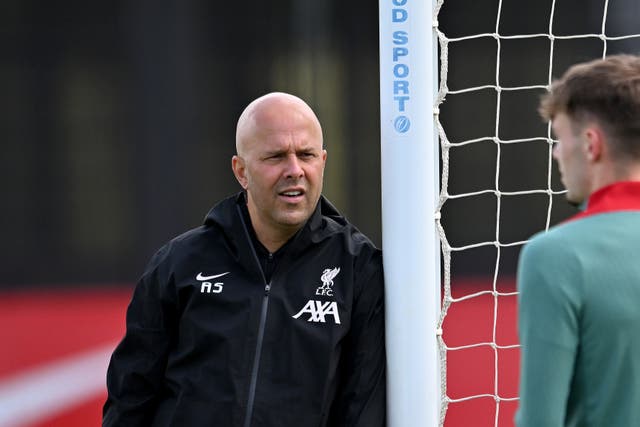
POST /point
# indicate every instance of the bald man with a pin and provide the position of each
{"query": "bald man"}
(270, 313)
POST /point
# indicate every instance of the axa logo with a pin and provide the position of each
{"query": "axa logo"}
(209, 287)
(319, 310)
(327, 281)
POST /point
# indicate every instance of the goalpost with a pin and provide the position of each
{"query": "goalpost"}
(414, 51)
(409, 199)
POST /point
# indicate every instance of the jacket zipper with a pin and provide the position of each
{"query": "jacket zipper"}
(261, 327)
(256, 360)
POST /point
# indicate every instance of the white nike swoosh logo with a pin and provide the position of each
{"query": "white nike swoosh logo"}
(215, 276)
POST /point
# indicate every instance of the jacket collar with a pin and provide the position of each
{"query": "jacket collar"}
(619, 196)
(228, 218)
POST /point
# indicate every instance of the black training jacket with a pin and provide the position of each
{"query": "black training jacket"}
(210, 343)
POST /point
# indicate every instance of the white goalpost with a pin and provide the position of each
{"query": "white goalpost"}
(408, 81)
(415, 143)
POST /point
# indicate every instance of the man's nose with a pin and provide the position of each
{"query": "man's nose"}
(293, 168)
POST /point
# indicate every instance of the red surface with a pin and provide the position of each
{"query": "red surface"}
(40, 327)
(472, 371)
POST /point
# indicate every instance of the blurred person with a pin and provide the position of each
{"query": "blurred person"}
(579, 283)
(269, 314)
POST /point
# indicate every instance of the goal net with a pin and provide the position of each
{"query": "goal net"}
(497, 184)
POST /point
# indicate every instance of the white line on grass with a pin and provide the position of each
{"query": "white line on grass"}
(49, 389)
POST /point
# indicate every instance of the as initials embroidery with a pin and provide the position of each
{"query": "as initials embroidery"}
(206, 287)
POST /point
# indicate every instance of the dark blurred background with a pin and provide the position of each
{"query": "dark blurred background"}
(117, 119)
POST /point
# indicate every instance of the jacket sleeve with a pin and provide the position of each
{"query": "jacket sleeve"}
(548, 323)
(361, 399)
(136, 369)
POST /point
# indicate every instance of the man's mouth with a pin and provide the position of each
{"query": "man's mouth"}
(292, 194)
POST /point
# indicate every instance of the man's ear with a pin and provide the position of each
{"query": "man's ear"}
(595, 142)
(239, 170)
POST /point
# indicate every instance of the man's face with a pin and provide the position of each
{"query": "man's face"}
(281, 168)
(571, 154)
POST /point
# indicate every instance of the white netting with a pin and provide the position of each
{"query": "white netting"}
(498, 242)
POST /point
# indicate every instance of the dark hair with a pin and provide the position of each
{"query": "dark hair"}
(607, 90)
